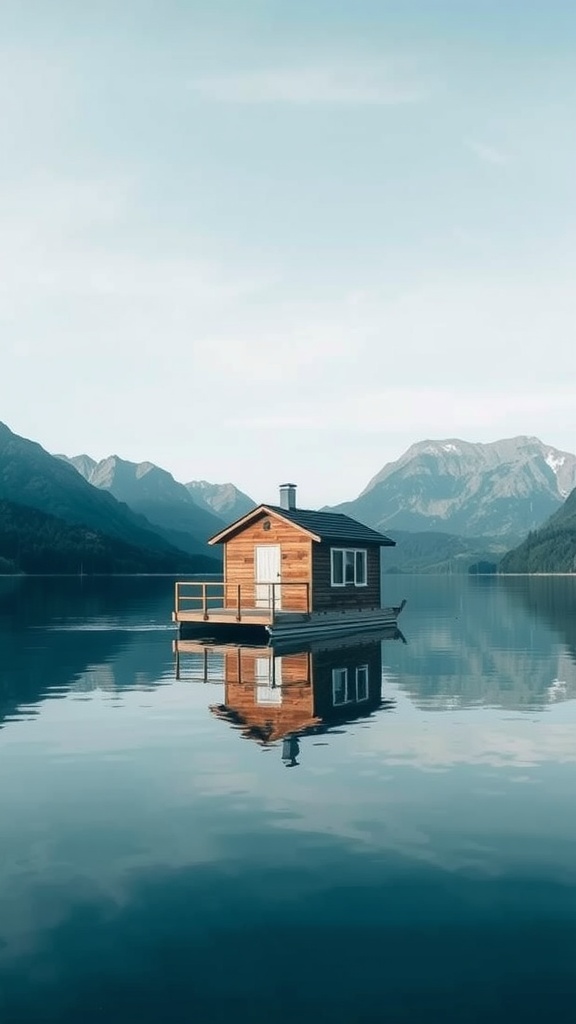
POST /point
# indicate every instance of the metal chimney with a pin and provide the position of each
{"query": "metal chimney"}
(288, 495)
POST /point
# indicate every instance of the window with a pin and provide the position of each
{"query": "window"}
(349, 687)
(348, 567)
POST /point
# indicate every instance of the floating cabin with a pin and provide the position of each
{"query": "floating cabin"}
(292, 689)
(289, 570)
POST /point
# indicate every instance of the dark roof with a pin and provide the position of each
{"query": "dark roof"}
(333, 526)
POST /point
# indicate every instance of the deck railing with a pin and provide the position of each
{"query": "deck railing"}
(237, 665)
(205, 596)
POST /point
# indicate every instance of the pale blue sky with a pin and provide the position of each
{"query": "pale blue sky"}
(260, 240)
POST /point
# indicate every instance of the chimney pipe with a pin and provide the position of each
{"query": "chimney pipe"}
(288, 496)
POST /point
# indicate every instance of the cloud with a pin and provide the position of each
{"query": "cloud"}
(373, 411)
(488, 154)
(51, 249)
(479, 740)
(307, 86)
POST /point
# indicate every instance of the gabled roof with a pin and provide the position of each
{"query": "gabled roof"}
(320, 526)
(333, 526)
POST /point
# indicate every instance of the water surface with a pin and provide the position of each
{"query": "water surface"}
(208, 849)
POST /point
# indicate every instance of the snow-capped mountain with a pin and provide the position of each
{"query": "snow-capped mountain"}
(501, 489)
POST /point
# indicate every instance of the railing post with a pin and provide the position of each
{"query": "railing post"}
(239, 603)
(176, 597)
(204, 601)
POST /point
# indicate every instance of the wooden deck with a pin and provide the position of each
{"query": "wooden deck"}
(248, 616)
(203, 603)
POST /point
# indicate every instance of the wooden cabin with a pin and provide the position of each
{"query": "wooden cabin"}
(287, 569)
(274, 694)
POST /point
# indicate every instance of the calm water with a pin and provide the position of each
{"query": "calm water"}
(381, 832)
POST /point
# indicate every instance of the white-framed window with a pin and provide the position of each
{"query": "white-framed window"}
(349, 685)
(348, 567)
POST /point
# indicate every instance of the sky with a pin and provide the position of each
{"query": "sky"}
(268, 240)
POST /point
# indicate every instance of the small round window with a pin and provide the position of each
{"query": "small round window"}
(266, 524)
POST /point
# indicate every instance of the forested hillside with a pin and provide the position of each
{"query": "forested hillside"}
(552, 548)
(37, 542)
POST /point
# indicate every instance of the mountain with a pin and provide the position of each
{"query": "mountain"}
(499, 490)
(37, 542)
(226, 500)
(552, 548)
(153, 492)
(83, 463)
(30, 476)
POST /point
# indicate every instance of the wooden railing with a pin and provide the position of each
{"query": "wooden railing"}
(237, 665)
(208, 595)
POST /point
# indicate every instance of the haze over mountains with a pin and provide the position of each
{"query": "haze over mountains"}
(449, 504)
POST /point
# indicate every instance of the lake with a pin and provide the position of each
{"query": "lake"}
(367, 831)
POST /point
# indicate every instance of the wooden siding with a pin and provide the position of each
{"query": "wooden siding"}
(292, 669)
(267, 723)
(296, 554)
(326, 597)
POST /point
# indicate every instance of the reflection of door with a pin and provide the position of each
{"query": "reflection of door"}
(267, 571)
(268, 680)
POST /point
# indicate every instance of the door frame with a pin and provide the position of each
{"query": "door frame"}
(265, 600)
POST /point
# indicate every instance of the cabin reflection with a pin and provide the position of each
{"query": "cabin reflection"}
(278, 694)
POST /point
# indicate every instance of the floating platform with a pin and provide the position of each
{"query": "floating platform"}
(270, 647)
(283, 625)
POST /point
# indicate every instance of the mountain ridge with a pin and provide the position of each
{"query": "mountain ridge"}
(226, 500)
(153, 492)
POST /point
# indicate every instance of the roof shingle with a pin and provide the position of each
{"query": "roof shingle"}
(333, 526)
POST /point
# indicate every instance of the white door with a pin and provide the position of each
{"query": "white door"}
(269, 680)
(267, 571)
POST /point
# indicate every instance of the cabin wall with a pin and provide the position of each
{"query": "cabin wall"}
(327, 597)
(349, 658)
(240, 562)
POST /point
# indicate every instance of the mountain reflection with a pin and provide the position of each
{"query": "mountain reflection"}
(490, 642)
(276, 693)
(551, 599)
(500, 642)
(62, 635)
